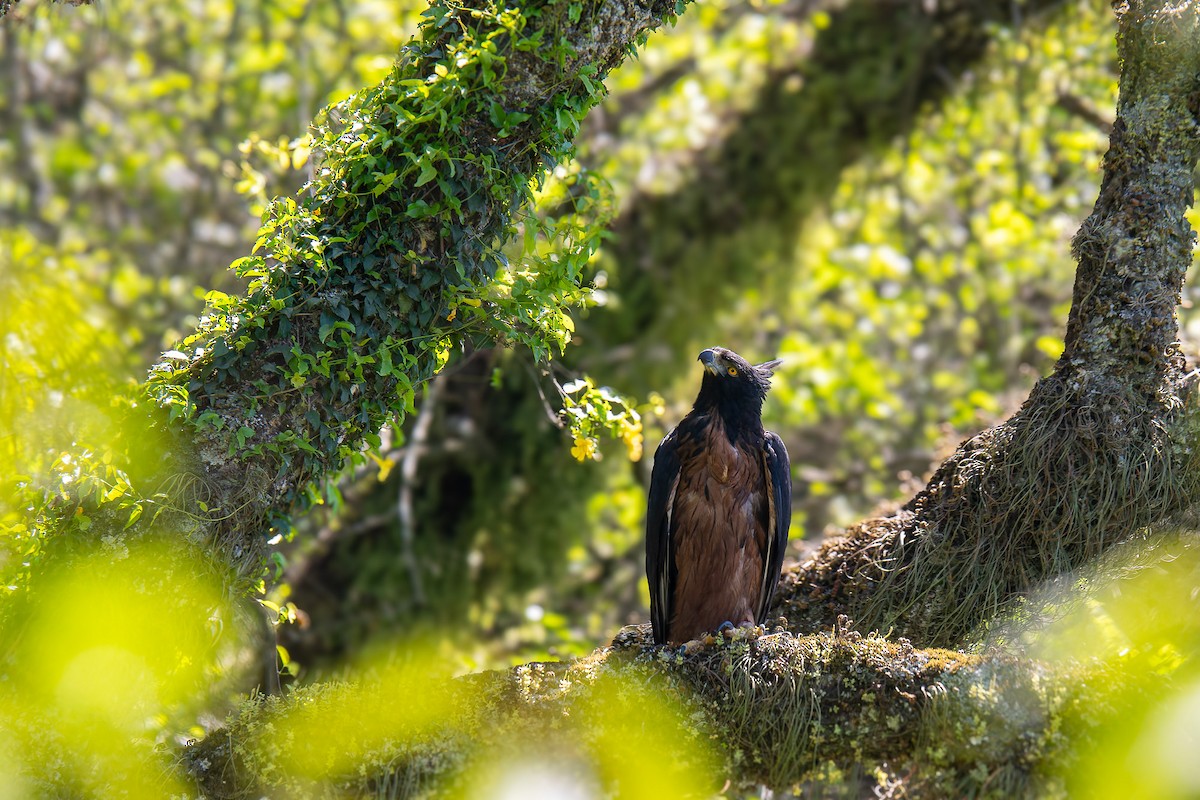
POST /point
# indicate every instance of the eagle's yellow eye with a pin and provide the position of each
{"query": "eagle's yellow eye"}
(733, 370)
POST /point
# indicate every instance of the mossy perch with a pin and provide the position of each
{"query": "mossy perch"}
(838, 712)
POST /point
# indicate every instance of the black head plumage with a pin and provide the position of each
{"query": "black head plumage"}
(734, 388)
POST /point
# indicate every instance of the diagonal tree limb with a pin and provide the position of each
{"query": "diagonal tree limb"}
(359, 287)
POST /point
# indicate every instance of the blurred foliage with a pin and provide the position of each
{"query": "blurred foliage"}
(536, 732)
(1133, 614)
(322, 737)
(938, 281)
(113, 656)
(121, 127)
(63, 364)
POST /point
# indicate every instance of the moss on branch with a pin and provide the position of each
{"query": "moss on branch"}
(838, 712)
(392, 255)
(1104, 446)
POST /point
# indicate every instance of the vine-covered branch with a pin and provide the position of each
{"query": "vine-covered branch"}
(396, 252)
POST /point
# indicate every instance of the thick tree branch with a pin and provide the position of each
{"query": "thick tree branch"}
(359, 289)
(1102, 447)
(781, 711)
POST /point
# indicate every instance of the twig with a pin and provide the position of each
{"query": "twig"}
(551, 414)
(1076, 106)
(408, 473)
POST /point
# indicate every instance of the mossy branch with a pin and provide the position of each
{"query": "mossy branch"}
(392, 255)
(839, 713)
(1104, 446)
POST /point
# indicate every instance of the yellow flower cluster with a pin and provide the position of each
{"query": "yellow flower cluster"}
(589, 410)
(631, 435)
(585, 448)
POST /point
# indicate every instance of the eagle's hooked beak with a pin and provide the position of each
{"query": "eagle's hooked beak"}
(709, 359)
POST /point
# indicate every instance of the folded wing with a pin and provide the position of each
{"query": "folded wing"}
(660, 566)
(779, 480)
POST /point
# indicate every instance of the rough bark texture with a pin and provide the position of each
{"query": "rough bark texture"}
(834, 715)
(1103, 446)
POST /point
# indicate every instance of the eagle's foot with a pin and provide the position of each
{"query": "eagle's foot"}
(741, 632)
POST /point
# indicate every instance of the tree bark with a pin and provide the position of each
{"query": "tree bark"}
(1102, 447)
(836, 714)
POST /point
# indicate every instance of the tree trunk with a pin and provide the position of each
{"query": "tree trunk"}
(1105, 445)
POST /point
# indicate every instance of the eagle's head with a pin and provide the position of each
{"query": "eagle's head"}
(734, 386)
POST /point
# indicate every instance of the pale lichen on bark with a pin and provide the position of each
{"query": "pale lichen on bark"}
(1106, 444)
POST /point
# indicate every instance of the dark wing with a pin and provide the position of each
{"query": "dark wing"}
(779, 479)
(660, 566)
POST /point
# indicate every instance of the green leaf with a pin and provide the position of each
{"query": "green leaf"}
(134, 516)
(428, 172)
(243, 434)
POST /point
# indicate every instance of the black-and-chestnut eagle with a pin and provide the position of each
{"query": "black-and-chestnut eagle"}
(719, 507)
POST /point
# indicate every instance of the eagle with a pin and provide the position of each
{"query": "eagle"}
(719, 506)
